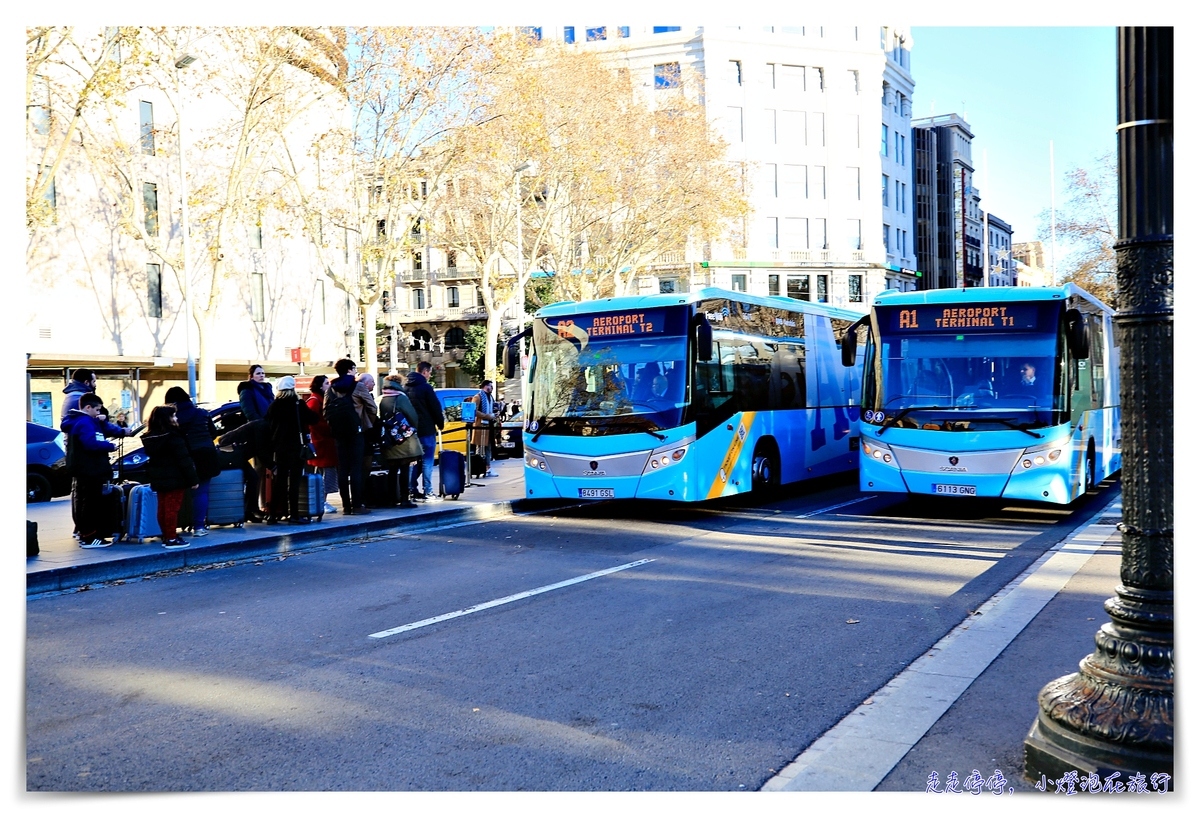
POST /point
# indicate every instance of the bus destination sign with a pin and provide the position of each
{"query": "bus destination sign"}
(938, 318)
(610, 324)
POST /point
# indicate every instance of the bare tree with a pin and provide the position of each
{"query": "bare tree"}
(1087, 221)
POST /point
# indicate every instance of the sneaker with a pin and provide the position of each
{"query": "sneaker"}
(178, 542)
(199, 532)
(408, 504)
(98, 542)
(329, 509)
(435, 499)
(490, 473)
(75, 534)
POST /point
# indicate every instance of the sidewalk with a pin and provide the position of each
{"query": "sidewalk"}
(62, 564)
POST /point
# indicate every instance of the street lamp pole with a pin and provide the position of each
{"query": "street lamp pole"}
(517, 171)
(185, 228)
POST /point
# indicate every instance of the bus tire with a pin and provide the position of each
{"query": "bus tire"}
(764, 468)
(1089, 476)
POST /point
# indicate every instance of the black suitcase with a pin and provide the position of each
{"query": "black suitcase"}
(478, 465)
(111, 511)
(377, 490)
(452, 473)
(31, 543)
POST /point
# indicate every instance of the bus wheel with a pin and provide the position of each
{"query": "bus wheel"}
(1089, 477)
(764, 468)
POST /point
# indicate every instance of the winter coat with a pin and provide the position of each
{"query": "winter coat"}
(250, 439)
(322, 436)
(255, 399)
(87, 446)
(429, 409)
(170, 467)
(392, 402)
(74, 391)
(198, 431)
(287, 419)
(368, 412)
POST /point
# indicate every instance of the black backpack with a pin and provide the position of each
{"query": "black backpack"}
(395, 429)
(341, 415)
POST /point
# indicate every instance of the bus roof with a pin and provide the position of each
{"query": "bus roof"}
(632, 302)
(986, 295)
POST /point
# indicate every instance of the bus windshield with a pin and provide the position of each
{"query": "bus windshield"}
(967, 379)
(609, 373)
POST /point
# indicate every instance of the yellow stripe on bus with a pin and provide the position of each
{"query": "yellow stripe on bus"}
(731, 455)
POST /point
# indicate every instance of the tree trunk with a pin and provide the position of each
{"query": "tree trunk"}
(371, 342)
(206, 366)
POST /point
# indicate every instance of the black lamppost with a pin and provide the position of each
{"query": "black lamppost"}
(1117, 714)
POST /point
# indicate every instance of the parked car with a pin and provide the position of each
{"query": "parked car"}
(129, 461)
(454, 433)
(45, 464)
(512, 441)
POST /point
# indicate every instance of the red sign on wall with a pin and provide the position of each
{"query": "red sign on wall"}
(300, 354)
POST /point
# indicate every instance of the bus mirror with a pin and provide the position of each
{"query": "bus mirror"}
(704, 338)
(850, 342)
(1077, 336)
(512, 353)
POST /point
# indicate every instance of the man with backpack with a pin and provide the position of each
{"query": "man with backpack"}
(346, 426)
(429, 420)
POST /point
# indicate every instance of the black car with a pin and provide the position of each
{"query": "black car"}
(512, 441)
(129, 461)
(45, 464)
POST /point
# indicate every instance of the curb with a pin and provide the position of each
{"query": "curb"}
(296, 541)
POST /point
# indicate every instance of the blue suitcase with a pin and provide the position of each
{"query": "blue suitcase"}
(141, 515)
(312, 495)
(452, 473)
(227, 498)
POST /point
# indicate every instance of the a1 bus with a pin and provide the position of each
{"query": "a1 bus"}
(1004, 392)
(685, 396)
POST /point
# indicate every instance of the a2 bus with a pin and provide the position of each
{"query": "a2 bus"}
(685, 397)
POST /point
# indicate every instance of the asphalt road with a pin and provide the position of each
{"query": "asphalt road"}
(752, 629)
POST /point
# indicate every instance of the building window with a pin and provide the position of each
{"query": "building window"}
(568, 34)
(820, 237)
(421, 339)
(885, 190)
(887, 238)
(257, 301)
(771, 179)
(853, 80)
(381, 228)
(39, 118)
(899, 239)
(791, 79)
(532, 32)
(599, 33)
(665, 29)
(150, 203)
(452, 259)
(854, 182)
(456, 338)
(154, 290)
(771, 228)
(854, 233)
(737, 282)
(418, 260)
(418, 299)
(902, 197)
(418, 226)
(667, 285)
(773, 284)
(818, 78)
(793, 182)
(452, 296)
(795, 234)
(823, 289)
(147, 112)
(818, 181)
(899, 149)
(883, 142)
(734, 124)
(479, 298)
(666, 75)
(735, 72)
(798, 288)
(904, 243)
(855, 286)
(623, 32)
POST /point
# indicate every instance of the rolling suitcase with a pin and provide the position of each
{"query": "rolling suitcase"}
(312, 496)
(377, 490)
(112, 511)
(452, 473)
(141, 515)
(227, 498)
(478, 465)
(31, 542)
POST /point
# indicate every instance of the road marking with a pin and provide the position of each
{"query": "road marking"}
(831, 508)
(859, 751)
(412, 626)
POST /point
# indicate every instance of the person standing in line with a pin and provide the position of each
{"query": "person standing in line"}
(346, 427)
(255, 397)
(171, 470)
(87, 463)
(326, 461)
(198, 432)
(485, 416)
(82, 382)
(368, 414)
(401, 456)
(288, 420)
(430, 421)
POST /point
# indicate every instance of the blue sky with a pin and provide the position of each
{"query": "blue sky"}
(1019, 89)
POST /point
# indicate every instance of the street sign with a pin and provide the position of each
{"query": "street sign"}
(300, 354)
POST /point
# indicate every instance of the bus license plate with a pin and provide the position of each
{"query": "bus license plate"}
(596, 494)
(945, 488)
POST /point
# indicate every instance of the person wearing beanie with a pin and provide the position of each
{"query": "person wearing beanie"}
(286, 382)
(345, 426)
(198, 432)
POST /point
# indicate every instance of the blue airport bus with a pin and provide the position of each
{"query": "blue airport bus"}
(685, 396)
(1004, 392)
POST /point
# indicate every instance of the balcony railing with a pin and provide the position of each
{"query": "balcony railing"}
(792, 256)
(448, 314)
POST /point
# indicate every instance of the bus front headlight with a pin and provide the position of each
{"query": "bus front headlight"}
(662, 458)
(877, 451)
(1040, 456)
(535, 460)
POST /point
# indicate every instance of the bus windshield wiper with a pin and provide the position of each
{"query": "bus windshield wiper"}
(541, 427)
(1007, 423)
(656, 434)
(899, 416)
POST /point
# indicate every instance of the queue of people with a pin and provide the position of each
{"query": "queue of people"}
(333, 432)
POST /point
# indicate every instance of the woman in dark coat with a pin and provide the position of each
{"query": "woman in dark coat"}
(170, 468)
(255, 397)
(288, 421)
(322, 440)
(400, 457)
(198, 431)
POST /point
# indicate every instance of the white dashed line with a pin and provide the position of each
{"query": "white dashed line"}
(831, 508)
